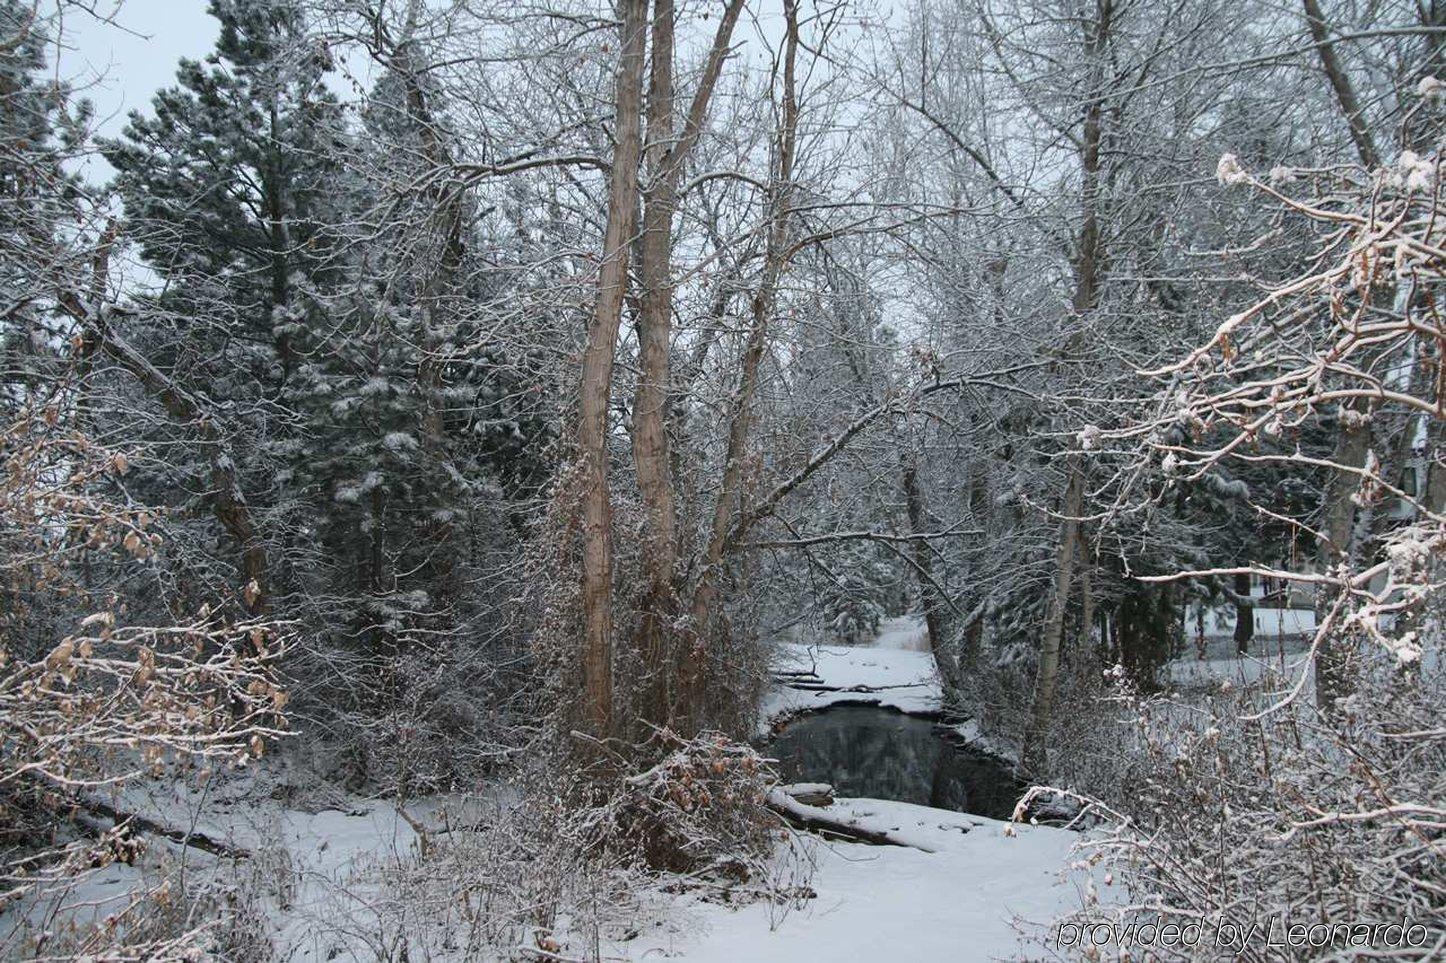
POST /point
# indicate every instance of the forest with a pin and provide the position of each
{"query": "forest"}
(722, 480)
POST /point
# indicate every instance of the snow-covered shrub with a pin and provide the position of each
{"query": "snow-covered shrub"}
(514, 876)
(1293, 817)
(1237, 812)
(171, 917)
(701, 808)
(106, 702)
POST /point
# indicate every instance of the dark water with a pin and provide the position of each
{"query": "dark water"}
(879, 754)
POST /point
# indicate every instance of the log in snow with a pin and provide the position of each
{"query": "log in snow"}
(819, 820)
(809, 793)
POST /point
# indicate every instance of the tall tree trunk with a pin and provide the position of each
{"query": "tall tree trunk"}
(934, 623)
(443, 267)
(1353, 435)
(1341, 85)
(665, 159)
(597, 376)
(705, 593)
(1088, 253)
(650, 435)
(1434, 494)
(1244, 614)
(1353, 438)
(1042, 710)
(1086, 598)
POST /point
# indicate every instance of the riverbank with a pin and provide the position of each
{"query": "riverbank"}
(987, 891)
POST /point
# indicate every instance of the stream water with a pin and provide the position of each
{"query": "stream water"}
(881, 754)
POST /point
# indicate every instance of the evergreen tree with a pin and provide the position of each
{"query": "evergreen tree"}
(226, 190)
(38, 201)
(226, 184)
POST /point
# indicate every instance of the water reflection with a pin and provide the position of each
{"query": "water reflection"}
(879, 754)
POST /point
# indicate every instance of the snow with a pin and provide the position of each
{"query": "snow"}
(888, 903)
(958, 886)
(894, 677)
(970, 732)
(1278, 660)
(962, 887)
(315, 871)
(906, 632)
(1270, 621)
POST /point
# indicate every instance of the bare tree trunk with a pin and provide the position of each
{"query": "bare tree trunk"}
(1353, 437)
(665, 160)
(1087, 273)
(1042, 710)
(1434, 496)
(597, 377)
(655, 315)
(705, 594)
(944, 656)
(1341, 84)
(1244, 614)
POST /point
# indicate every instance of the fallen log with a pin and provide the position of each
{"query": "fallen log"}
(193, 839)
(825, 822)
(861, 688)
(809, 793)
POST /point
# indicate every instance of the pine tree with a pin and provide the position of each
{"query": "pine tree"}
(39, 127)
(225, 184)
(225, 190)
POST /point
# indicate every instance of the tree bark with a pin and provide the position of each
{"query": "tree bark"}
(1353, 437)
(1042, 710)
(705, 593)
(944, 656)
(1087, 274)
(1341, 85)
(597, 377)
(665, 160)
(1244, 614)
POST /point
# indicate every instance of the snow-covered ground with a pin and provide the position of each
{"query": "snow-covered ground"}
(902, 632)
(958, 892)
(896, 671)
(1270, 621)
(310, 869)
(1278, 657)
(888, 904)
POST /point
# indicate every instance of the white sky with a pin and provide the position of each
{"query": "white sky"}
(120, 65)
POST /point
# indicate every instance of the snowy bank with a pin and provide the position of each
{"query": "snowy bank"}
(897, 671)
(885, 903)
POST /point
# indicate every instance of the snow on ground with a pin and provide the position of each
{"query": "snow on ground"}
(310, 868)
(315, 866)
(970, 731)
(892, 903)
(893, 672)
(1282, 660)
(904, 632)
